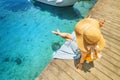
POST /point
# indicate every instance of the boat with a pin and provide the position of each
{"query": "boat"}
(60, 3)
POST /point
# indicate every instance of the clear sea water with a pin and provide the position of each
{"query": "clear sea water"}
(26, 41)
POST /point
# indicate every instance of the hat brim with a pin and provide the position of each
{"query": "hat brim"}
(80, 42)
(101, 43)
(83, 46)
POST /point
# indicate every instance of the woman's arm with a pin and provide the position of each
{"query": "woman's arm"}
(67, 36)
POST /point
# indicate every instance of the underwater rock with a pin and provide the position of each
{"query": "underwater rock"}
(55, 46)
(6, 59)
(2, 17)
(28, 40)
(42, 41)
(24, 24)
(0, 38)
(45, 35)
(7, 32)
(18, 61)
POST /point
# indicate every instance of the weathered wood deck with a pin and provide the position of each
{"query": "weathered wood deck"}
(106, 68)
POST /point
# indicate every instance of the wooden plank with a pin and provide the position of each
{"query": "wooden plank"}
(112, 49)
(47, 74)
(112, 31)
(108, 19)
(111, 54)
(111, 59)
(109, 39)
(114, 27)
(111, 35)
(106, 71)
(61, 74)
(112, 45)
(110, 10)
(86, 75)
(108, 6)
(100, 74)
(58, 73)
(70, 71)
(114, 20)
(109, 65)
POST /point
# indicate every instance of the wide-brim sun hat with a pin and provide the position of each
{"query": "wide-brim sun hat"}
(88, 33)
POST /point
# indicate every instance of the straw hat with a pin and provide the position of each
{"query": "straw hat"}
(88, 33)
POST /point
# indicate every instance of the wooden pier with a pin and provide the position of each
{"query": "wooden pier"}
(106, 68)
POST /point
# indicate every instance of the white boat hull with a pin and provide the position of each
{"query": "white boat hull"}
(58, 2)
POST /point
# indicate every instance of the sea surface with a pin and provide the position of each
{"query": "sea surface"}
(26, 41)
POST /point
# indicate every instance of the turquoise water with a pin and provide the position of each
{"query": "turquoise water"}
(26, 41)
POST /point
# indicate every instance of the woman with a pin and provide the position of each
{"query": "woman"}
(89, 39)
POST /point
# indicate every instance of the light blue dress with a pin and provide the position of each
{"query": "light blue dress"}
(68, 50)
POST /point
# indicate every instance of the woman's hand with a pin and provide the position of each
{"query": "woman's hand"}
(56, 32)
